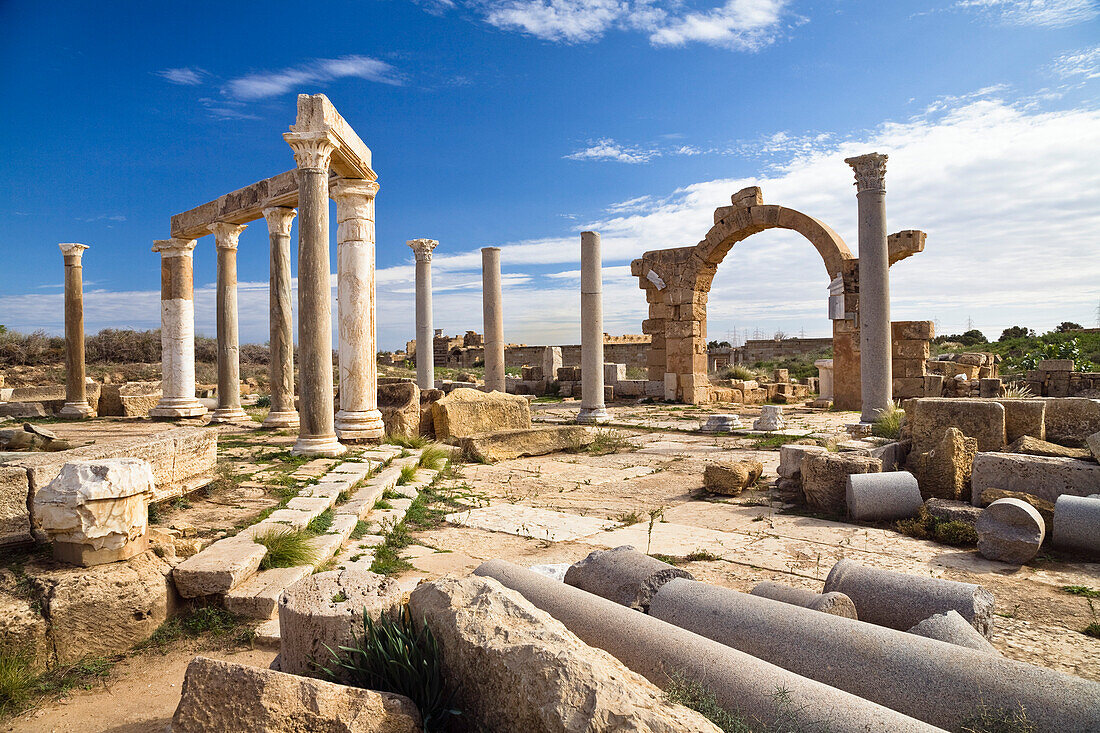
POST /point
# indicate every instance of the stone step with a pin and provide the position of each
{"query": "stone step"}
(267, 635)
(219, 568)
(258, 597)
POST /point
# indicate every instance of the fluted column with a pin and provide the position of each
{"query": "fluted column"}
(317, 431)
(76, 400)
(592, 401)
(281, 345)
(177, 330)
(425, 334)
(493, 313)
(875, 347)
(359, 417)
(229, 408)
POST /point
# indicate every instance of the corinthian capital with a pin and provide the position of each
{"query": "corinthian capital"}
(226, 234)
(73, 248)
(174, 247)
(422, 248)
(350, 189)
(870, 171)
(279, 219)
(312, 150)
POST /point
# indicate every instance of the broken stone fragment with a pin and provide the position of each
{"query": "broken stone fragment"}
(730, 479)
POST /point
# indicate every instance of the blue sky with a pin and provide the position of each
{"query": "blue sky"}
(519, 123)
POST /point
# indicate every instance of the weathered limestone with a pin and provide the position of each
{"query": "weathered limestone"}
(593, 409)
(76, 401)
(1041, 476)
(504, 445)
(660, 651)
(466, 412)
(551, 363)
(790, 458)
(1024, 417)
(177, 330)
(359, 417)
(825, 478)
(15, 525)
(930, 418)
(901, 601)
(824, 383)
(399, 405)
(721, 424)
(730, 479)
(317, 430)
(952, 628)
(1071, 420)
(229, 357)
(327, 609)
(227, 696)
(1011, 531)
(425, 334)
(623, 575)
(96, 512)
(836, 604)
(771, 418)
(1030, 446)
(219, 568)
(281, 360)
(944, 472)
(875, 345)
(1077, 523)
(492, 304)
(893, 495)
(1093, 444)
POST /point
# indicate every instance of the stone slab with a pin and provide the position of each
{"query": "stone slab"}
(1042, 476)
(219, 568)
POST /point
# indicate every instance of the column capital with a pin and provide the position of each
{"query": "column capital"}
(422, 248)
(226, 235)
(312, 150)
(870, 171)
(174, 247)
(279, 219)
(72, 248)
(353, 187)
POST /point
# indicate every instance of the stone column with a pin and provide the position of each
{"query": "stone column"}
(317, 430)
(425, 341)
(177, 330)
(492, 309)
(229, 347)
(592, 403)
(359, 417)
(281, 347)
(875, 346)
(76, 401)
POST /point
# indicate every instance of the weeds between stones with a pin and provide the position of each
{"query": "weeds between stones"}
(321, 523)
(925, 526)
(286, 547)
(626, 519)
(695, 696)
(408, 475)
(415, 441)
(988, 720)
(1081, 590)
(888, 422)
(609, 441)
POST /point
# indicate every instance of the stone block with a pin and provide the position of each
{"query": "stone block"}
(15, 519)
(613, 373)
(721, 423)
(990, 388)
(952, 628)
(1041, 476)
(933, 385)
(1070, 421)
(258, 596)
(1056, 365)
(1024, 417)
(836, 604)
(219, 568)
(1028, 445)
(908, 368)
(466, 412)
(944, 472)
(224, 696)
(931, 417)
(136, 399)
(1093, 444)
(1077, 524)
(911, 349)
(912, 330)
(790, 458)
(825, 478)
(1010, 531)
(771, 418)
(623, 575)
(893, 495)
(907, 387)
(505, 445)
(400, 408)
(731, 478)
(24, 628)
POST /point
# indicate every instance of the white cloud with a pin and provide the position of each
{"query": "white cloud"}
(272, 83)
(186, 76)
(556, 20)
(1084, 64)
(1041, 13)
(608, 149)
(741, 25)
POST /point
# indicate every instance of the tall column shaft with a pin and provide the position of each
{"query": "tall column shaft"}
(317, 431)
(229, 348)
(76, 401)
(281, 345)
(592, 400)
(493, 313)
(359, 417)
(177, 330)
(875, 347)
(425, 332)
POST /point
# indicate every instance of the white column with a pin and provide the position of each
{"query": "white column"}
(875, 345)
(226, 237)
(281, 346)
(592, 401)
(177, 330)
(359, 417)
(492, 311)
(425, 334)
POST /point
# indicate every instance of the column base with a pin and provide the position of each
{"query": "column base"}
(593, 416)
(229, 414)
(178, 407)
(283, 419)
(317, 445)
(861, 429)
(76, 411)
(360, 425)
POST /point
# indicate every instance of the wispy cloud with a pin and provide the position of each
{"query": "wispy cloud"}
(740, 25)
(608, 149)
(186, 76)
(1041, 13)
(265, 84)
(1083, 64)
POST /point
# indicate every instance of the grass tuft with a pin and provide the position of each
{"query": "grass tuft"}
(1081, 590)
(321, 523)
(286, 547)
(989, 720)
(609, 441)
(433, 457)
(925, 526)
(415, 441)
(888, 422)
(408, 475)
(16, 679)
(1092, 630)
(695, 696)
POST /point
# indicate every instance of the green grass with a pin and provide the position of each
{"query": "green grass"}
(692, 694)
(888, 422)
(416, 441)
(1092, 630)
(20, 687)
(1081, 590)
(361, 530)
(321, 523)
(548, 398)
(433, 457)
(609, 441)
(225, 479)
(701, 556)
(626, 519)
(204, 621)
(16, 679)
(408, 475)
(427, 511)
(773, 442)
(284, 456)
(382, 503)
(286, 547)
(925, 526)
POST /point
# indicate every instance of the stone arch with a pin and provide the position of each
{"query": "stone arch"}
(677, 283)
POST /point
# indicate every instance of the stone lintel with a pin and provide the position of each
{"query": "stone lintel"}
(352, 158)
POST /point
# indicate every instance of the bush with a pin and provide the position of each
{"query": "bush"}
(737, 371)
(925, 526)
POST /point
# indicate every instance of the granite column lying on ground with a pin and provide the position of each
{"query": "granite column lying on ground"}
(592, 399)
(229, 408)
(875, 343)
(359, 417)
(492, 308)
(76, 399)
(177, 330)
(317, 430)
(281, 360)
(425, 342)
